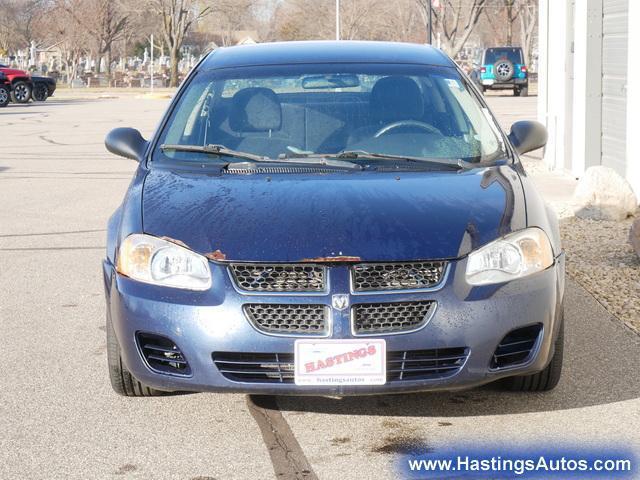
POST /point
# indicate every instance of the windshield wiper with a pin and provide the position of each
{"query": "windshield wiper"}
(213, 149)
(456, 164)
(221, 150)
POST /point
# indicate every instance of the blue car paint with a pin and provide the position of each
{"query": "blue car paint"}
(425, 215)
(372, 215)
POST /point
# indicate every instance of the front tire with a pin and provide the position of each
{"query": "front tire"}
(4, 96)
(122, 381)
(548, 378)
(21, 92)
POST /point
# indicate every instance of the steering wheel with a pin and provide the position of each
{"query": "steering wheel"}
(407, 123)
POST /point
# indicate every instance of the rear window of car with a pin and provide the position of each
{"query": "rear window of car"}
(492, 55)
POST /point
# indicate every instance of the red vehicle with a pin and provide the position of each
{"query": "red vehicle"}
(21, 84)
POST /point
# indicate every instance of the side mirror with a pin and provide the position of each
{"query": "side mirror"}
(527, 136)
(127, 143)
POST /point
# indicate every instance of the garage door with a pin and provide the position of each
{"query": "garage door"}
(614, 82)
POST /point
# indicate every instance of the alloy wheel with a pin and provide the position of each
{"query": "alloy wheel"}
(21, 93)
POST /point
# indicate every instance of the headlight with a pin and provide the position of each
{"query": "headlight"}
(513, 256)
(159, 262)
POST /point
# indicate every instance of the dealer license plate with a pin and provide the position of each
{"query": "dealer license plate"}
(340, 362)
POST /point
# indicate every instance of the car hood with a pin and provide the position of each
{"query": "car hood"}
(370, 215)
(13, 71)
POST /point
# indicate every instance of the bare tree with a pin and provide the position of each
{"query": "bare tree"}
(528, 23)
(400, 21)
(67, 36)
(104, 21)
(454, 19)
(18, 23)
(303, 20)
(511, 14)
(361, 19)
(177, 17)
(230, 16)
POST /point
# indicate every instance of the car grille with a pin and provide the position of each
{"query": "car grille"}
(401, 365)
(255, 367)
(378, 318)
(368, 277)
(425, 364)
(257, 277)
(302, 319)
(162, 355)
(515, 348)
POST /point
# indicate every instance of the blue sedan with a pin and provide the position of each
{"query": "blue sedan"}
(331, 218)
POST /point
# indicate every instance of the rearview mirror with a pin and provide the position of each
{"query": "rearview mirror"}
(127, 143)
(527, 136)
(338, 80)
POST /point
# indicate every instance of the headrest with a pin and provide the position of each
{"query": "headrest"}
(396, 98)
(255, 109)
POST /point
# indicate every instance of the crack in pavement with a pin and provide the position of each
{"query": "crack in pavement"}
(288, 460)
(39, 234)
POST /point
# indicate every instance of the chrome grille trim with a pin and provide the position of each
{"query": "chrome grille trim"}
(397, 276)
(391, 318)
(279, 277)
(289, 319)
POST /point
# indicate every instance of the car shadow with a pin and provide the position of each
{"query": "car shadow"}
(602, 360)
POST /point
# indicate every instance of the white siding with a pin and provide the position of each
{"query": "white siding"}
(614, 83)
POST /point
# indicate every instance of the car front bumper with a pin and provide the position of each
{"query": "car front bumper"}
(201, 323)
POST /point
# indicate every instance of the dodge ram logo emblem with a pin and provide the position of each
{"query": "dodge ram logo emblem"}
(340, 302)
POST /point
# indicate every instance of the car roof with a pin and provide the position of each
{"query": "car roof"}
(310, 52)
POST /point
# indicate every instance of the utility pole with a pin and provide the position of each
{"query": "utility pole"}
(337, 19)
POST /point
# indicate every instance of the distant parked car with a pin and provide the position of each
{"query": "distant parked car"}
(5, 90)
(502, 68)
(25, 87)
(43, 88)
(21, 86)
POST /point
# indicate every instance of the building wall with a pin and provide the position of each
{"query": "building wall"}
(615, 23)
(585, 56)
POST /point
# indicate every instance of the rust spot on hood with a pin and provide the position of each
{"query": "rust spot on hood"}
(216, 255)
(338, 259)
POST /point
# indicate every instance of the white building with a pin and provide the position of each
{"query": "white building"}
(589, 95)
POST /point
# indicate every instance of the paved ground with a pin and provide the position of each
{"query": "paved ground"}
(60, 419)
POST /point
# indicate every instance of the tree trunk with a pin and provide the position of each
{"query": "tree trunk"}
(528, 24)
(509, 23)
(175, 58)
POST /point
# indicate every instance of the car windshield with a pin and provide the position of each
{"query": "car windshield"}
(296, 111)
(492, 55)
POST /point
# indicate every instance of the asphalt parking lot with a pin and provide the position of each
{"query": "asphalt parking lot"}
(60, 419)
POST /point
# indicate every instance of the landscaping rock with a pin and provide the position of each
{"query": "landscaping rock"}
(634, 235)
(602, 194)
